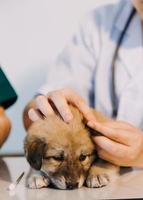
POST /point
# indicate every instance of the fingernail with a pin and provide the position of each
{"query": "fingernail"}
(32, 116)
(68, 118)
(91, 124)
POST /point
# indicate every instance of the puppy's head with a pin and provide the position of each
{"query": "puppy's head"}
(63, 151)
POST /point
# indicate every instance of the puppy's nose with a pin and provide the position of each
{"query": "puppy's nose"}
(71, 186)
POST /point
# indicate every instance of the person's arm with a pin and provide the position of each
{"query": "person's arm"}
(5, 126)
(119, 143)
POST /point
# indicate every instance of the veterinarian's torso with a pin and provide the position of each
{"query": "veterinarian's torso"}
(89, 56)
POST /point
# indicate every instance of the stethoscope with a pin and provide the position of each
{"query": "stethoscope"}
(119, 42)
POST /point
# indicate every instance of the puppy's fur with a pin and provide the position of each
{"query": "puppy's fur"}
(64, 155)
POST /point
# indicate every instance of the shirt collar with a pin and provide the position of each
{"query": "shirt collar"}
(124, 10)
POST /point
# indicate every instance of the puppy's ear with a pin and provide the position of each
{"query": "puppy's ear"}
(34, 151)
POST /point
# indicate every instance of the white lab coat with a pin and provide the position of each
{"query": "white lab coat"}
(85, 63)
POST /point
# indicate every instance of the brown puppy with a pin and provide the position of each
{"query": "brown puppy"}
(64, 154)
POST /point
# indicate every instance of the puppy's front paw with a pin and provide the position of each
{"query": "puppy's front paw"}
(97, 181)
(37, 181)
(101, 174)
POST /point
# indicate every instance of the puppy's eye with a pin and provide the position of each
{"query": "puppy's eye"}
(58, 158)
(82, 157)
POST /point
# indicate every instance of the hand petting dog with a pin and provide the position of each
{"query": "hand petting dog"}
(60, 98)
(120, 142)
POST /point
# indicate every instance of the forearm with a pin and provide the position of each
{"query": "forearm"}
(5, 126)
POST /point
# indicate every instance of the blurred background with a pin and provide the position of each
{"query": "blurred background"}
(32, 33)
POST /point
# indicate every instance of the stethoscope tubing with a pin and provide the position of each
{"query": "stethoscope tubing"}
(119, 42)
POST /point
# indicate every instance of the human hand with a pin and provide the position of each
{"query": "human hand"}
(60, 99)
(119, 143)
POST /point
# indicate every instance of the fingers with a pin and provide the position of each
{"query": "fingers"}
(108, 157)
(79, 102)
(119, 125)
(33, 115)
(43, 105)
(119, 135)
(113, 148)
(45, 108)
(61, 105)
(123, 159)
(61, 99)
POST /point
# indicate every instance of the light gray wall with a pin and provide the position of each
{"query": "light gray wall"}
(32, 32)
